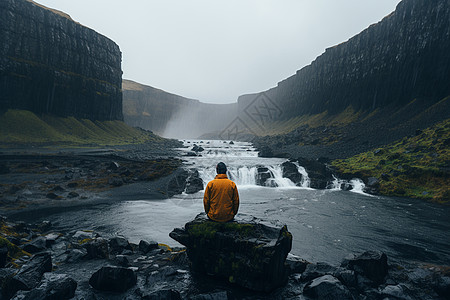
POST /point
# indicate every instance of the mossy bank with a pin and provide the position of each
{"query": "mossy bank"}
(416, 166)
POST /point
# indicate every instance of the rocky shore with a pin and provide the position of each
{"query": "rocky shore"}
(40, 262)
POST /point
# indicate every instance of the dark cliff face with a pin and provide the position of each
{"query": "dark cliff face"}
(403, 57)
(51, 64)
(172, 115)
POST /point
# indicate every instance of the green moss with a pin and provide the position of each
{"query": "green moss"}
(209, 229)
(25, 127)
(13, 251)
(413, 167)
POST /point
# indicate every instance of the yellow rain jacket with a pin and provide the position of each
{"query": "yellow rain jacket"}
(221, 199)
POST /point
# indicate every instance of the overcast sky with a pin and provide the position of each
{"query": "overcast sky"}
(216, 50)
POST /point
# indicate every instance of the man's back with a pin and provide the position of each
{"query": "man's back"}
(221, 199)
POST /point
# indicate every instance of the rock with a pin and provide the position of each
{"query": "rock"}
(231, 143)
(115, 181)
(83, 235)
(247, 251)
(177, 184)
(97, 248)
(53, 196)
(263, 177)
(190, 153)
(73, 195)
(442, 286)
(75, 255)
(122, 261)
(290, 171)
(327, 287)
(222, 295)
(194, 183)
(53, 287)
(371, 264)
(72, 184)
(118, 244)
(113, 279)
(30, 275)
(3, 256)
(296, 264)
(394, 292)
(37, 245)
(146, 247)
(265, 151)
(113, 166)
(313, 271)
(163, 295)
(319, 174)
(197, 148)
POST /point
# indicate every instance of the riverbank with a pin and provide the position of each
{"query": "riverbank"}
(82, 264)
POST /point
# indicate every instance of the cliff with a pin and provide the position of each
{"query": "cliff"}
(404, 57)
(171, 115)
(50, 64)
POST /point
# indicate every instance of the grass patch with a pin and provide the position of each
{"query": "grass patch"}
(416, 167)
(24, 127)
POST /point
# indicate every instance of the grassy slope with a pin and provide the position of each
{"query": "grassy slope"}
(24, 127)
(416, 167)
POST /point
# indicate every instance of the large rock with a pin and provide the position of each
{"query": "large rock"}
(318, 172)
(290, 171)
(247, 251)
(113, 279)
(327, 287)
(194, 183)
(53, 287)
(371, 264)
(36, 245)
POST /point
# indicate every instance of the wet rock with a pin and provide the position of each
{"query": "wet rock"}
(327, 287)
(72, 185)
(265, 151)
(347, 277)
(113, 166)
(190, 153)
(83, 235)
(97, 248)
(263, 176)
(247, 252)
(37, 245)
(53, 196)
(290, 171)
(73, 195)
(177, 184)
(317, 270)
(442, 286)
(122, 260)
(113, 279)
(194, 183)
(222, 295)
(30, 275)
(371, 264)
(146, 247)
(58, 188)
(118, 244)
(296, 264)
(395, 292)
(3, 256)
(53, 287)
(75, 255)
(115, 181)
(197, 148)
(319, 173)
(165, 294)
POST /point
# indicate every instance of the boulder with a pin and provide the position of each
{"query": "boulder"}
(246, 251)
(194, 183)
(30, 275)
(296, 264)
(118, 244)
(370, 264)
(164, 294)
(36, 245)
(113, 279)
(146, 247)
(177, 184)
(318, 172)
(263, 176)
(290, 171)
(53, 287)
(3, 256)
(97, 248)
(327, 287)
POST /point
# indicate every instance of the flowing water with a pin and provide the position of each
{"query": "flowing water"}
(326, 225)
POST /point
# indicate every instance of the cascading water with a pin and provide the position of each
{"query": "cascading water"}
(244, 166)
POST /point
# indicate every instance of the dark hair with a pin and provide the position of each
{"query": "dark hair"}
(221, 168)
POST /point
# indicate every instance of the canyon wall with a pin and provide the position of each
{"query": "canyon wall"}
(50, 64)
(171, 115)
(405, 56)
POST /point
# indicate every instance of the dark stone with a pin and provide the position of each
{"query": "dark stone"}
(290, 171)
(265, 151)
(115, 181)
(113, 279)
(327, 287)
(247, 251)
(177, 184)
(113, 166)
(190, 154)
(296, 264)
(37, 245)
(30, 275)
(118, 244)
(197, 148)
(53, 287)
(222, 295)
(162, 295)
(72, 184)
(371, 264)
(53, 196)
(122, 261)
(73, 195)
(319, 174)
(146, 247)
(231, 143)
(3, 256)
(263, 176)
(58, 188)
(442, 286)
(97, 248)
(194, 183)
(317, 270)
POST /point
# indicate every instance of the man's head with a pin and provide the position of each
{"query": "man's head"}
(221, 168)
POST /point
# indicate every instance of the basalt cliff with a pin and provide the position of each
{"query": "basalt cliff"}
(50, 64)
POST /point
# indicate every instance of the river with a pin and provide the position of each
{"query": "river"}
(326, 225)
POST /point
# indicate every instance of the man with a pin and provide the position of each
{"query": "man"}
(221, 199)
